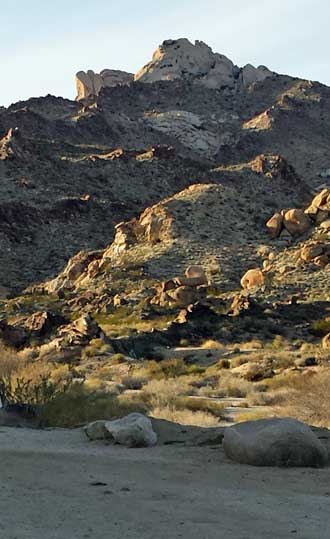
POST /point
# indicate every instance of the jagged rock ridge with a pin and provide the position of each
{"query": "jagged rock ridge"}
(176, 59)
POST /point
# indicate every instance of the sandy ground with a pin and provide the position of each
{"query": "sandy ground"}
(57, 485)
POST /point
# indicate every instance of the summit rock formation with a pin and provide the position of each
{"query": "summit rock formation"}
(176, 59)
(180, 59)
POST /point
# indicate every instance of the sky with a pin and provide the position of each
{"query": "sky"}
(44, 43)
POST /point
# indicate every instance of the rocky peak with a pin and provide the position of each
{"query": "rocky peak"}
(176, 59)
(180, 59)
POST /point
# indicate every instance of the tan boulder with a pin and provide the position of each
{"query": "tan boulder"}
(325, 225)
(326, 342)
(309, 252)
(253, 278)
(296, 222)
(320, 200)
(275, 225)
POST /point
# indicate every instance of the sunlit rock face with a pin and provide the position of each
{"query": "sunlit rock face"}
(180, 59)
(90, 84)
(173, 60)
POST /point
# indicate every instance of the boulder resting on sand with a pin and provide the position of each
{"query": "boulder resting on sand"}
(274, 442)
(133, 430)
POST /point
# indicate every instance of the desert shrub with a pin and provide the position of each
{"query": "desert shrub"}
(79, 406)
(238, 361)
(255, 344)
(232, 386)
(117, 359)
(10, 361)
(223, 363)
(166, 368)
(164, 393)
(196, 404)
(308, 398)
(96, 347)
(134, 381)
(212, 344)
(34, 392)
(320, 328)
(278, 342)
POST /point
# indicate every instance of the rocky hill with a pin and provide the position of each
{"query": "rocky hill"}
(72, 170)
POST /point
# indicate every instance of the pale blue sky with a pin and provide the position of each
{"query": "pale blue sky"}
(43, 43)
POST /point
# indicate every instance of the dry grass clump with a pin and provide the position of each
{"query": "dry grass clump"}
(167, 368)
(212, 344)
(185, 417)
(308, 398)
(165, 393)
(255, 344)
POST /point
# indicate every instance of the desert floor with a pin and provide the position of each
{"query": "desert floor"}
(58, 485)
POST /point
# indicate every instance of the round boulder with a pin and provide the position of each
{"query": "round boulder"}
(296, 222)
(253, 278)
(274, 442)
(134, 430)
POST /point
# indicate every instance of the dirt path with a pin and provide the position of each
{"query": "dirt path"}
(55, 484)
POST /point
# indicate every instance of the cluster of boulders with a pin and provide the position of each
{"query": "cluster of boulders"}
(182, 291)
(317, 252)
(71, 339)
(134, 430)
(281, 442)
(298, 221)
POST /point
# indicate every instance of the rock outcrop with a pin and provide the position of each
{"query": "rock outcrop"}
(181, 59)
(89, 84)
(274, 442)
(187, 128)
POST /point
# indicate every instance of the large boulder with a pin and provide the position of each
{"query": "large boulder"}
(253, 278)
(134, 430)
(275, 225)
(296, 222)
(274, 442)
